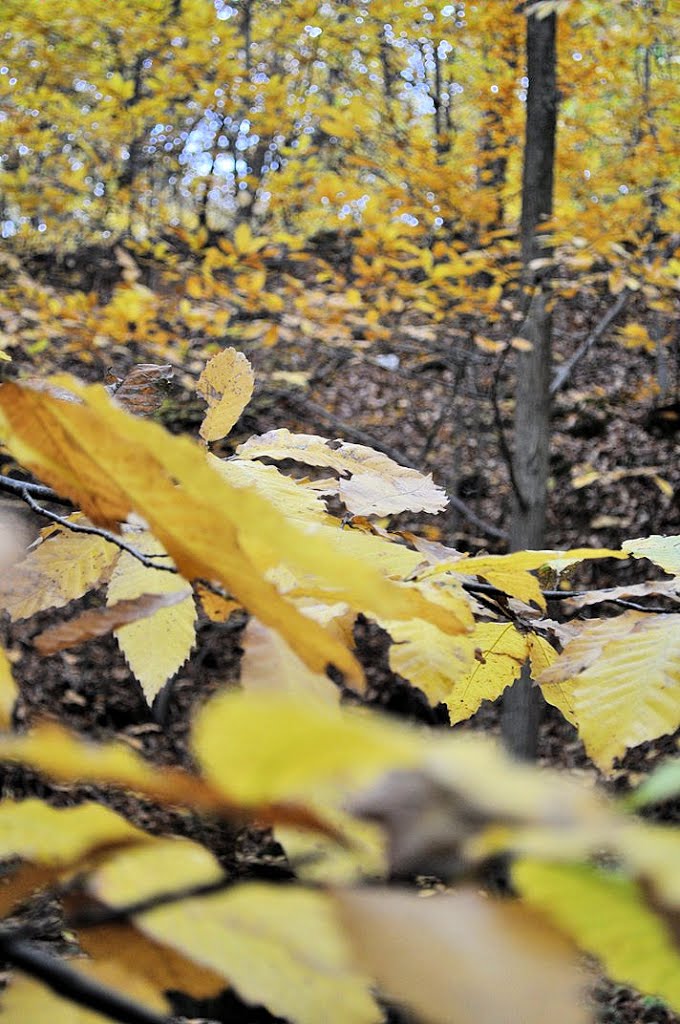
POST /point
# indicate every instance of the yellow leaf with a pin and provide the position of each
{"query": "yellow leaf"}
(62, 568)
(156, 646)
(488, 344)
(279, 946)
(663, 551)
(28, 1000)
(377, 484)
(607, 916)
(503, 651)
(291, 497)
(243, 743)
(510, 573)
(66, 758)
(542, 655)
(664, 486)
(61, 836)
(227, 385)
(623, 678)
(445, 956)
(161, 868)
(428, 658)
(9, 691)
(131, 464)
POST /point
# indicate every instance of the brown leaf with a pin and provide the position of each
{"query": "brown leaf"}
(101, 621)
(144, 389)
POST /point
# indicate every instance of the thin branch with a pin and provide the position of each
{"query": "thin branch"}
(565, 595)
(96, 531)
(18, 487)
(95, 916)
(71, 984)
(565, 370)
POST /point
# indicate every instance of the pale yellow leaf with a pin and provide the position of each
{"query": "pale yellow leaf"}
(60, 836)
(623, 679)
(511, 573)
(377, 484)
(160, 868)
(663, 551)
(291, 497)
(279, 946)
(542, 655)
(227, 384)
(243, 743)
(428, 658)
(62, 568)
(607, 916)
(157, 646)
(449, 958)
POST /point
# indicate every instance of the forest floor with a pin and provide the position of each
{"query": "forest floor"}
(434, 408)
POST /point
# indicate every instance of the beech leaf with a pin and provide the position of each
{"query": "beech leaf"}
(227, 384)
(443, 957)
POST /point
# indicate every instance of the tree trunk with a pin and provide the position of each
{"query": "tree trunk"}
(522, 704)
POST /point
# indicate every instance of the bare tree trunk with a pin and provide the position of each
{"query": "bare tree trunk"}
(523, 703)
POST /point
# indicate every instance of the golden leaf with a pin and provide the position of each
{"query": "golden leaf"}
(227, 385)
(503, 651)
(243, 742)
(156, 646)
(623, 680)
(61, 836)
(28, 1000)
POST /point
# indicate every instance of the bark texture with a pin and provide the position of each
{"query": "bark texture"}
(523, 703)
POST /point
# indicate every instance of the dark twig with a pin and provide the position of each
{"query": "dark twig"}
(18, 487)
(96, 531)
(73, 985)
(564, 595)
(565, 370)
(95, 916)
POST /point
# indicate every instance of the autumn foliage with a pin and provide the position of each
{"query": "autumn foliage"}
(351, 796)
(247, 175)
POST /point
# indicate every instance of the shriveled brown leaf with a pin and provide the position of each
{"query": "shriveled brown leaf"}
(101, 621)
(144, 389)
